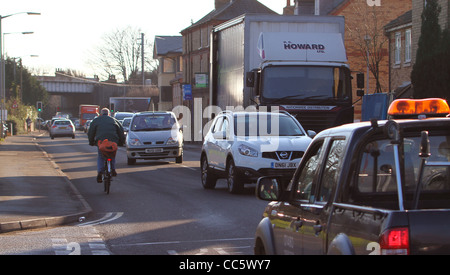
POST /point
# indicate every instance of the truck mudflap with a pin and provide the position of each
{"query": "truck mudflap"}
(429, 231)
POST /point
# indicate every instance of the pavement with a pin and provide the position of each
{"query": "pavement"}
(34, 192)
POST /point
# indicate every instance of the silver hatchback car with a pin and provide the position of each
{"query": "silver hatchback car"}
(62, 128)
(154, 135)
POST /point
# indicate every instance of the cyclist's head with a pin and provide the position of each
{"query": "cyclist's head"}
(105, 112)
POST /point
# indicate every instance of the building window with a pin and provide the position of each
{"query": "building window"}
(408, 45)
(168, 65)
(398, 47)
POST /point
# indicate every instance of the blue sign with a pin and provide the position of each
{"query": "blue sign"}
(187, 92)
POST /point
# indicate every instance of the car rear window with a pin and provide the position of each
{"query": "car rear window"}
(62, 122)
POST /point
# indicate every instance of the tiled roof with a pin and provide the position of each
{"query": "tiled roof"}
(233, 9)
(399, 21)
(168, 44)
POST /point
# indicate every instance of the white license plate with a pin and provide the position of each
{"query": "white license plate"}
(156, 150)
(284, 165)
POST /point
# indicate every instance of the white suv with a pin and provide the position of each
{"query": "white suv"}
(243, 146)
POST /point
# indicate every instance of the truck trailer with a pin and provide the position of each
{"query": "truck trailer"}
(129, 104)
(295, 63)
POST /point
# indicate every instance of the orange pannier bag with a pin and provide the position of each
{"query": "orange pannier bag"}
(108, 148)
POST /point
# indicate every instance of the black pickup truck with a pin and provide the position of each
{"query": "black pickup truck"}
(379, 187)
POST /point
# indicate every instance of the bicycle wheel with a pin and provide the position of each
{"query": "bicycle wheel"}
(107, 177)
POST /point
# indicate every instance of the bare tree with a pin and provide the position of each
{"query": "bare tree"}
(368, 35)
(120, 53)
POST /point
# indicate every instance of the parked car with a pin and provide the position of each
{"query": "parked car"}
(154, 135)
(244, 146)
(62, 128)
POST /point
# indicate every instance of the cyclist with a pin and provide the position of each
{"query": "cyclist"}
(102, 128)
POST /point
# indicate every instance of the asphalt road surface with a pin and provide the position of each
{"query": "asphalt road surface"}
(155, 207)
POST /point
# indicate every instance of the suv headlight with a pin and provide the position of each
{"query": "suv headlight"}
(247, 151)
(134, 142)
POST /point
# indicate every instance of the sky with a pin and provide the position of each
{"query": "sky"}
(67, 33)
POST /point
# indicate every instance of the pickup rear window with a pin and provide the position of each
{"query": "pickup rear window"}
(376, 177)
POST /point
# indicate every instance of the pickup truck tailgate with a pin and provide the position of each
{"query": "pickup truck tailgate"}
(429, 231)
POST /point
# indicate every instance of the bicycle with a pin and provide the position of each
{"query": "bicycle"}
(108, 150)
(107, 175)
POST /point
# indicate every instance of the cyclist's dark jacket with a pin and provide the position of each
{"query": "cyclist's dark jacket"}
(106, 127)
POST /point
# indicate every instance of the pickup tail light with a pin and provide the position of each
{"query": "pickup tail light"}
(395, 241)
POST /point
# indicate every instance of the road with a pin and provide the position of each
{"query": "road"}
(155, 208)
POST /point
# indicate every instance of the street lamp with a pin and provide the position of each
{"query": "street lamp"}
(2, 67)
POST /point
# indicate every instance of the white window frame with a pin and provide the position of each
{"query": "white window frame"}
(397, 48)
(408, 46)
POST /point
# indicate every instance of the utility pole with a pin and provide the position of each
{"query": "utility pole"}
(143, 63)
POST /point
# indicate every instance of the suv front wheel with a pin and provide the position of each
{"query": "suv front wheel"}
(208, 178)
(235, 184)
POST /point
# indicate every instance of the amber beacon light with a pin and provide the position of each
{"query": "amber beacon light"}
(436, 107)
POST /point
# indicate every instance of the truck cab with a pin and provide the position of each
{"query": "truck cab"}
(379, 187)
(307, 75)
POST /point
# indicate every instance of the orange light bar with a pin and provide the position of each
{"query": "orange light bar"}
(429, 107)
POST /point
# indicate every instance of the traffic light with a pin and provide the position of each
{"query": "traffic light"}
(39, 106)
(112, 105)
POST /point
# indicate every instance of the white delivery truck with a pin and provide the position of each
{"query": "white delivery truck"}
(297, 63)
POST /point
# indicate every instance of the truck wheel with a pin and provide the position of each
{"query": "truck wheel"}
(235, 184)
(131, 161)
(208, 178)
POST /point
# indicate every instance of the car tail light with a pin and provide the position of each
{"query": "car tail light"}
(54, 126)
(395, 241)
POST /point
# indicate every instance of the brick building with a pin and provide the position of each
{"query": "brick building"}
(404, 33)
(168, 50)
(196, 43)
(196, 56)
(399, 32)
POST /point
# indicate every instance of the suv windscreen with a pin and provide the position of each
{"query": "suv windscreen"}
(153, 122)
(257, 124)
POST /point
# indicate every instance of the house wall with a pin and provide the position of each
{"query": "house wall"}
(400, 72)
(355, 11)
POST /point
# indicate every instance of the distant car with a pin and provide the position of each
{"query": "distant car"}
(86, 126)
(77, 124)
(62, 128)
(126, 125)
(243, 146)
(154, 135)
(122, 115)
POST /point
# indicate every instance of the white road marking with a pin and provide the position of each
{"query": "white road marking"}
(105, 219)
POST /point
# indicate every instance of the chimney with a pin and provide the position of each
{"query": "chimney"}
(289, 9)
(308, 7)
(220, 3)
